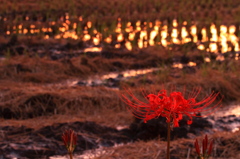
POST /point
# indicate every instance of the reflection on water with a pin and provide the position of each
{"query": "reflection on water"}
(129, 73)
(214, 39)
(226, 118)
(116, 76)
(229, 110)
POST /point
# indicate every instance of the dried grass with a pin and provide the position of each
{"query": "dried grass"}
(24, 97)
(109, 10)
(226, 146)
(28, 100)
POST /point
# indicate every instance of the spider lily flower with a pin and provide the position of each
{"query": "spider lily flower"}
(206, 152)
(70, 140)
(172, 106)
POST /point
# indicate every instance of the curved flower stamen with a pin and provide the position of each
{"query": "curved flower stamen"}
(172, 107)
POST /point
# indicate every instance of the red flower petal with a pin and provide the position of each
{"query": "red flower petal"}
(173, 107)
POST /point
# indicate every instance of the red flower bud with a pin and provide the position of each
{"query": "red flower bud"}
(197, 147)
(70, 140)
(210, 148)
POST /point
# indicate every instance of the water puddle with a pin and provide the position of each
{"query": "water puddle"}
(227, 119)
(110, 80)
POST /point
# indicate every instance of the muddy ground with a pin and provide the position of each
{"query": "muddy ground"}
(42, 96)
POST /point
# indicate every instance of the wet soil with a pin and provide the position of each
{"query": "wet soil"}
(24, 142)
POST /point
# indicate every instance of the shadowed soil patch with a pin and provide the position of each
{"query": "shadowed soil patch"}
(46, 141)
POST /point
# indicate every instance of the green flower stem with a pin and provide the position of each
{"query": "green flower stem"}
(70, 155)
(168, 140)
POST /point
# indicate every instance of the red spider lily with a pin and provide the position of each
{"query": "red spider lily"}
(70, 140)
(206, 152)
(172, 107)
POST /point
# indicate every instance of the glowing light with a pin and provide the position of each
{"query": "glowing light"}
(223, 29)
(192, 64)
(140, 43)
(145, 42)
(96, 40)
(37, 31)
(138, 26)
(74, 25)
(213, 30)
(129, 27)
(236, 47)
(66, 15)
(207, 59)
(153, 34)
(213, 47)
(80, 18)
(49, 29)
(174, 33)
(204, 35)
(236, 56)
(118, 46)
(193, 31)
(233, 38)
(232, 29)
(44, 29)
(46, 37)
(32, 26)
(93, 49)
(131, 36)
(164, 35)
(57, 36)
(108, 39)
(220, 58)
(86, 37)
(119, 26)
(120, 37)
(67, 22)
(222, 42)
(150, 24)
(223, 38)
(89, 24)
(201, 47)
(177, 65)
(20, 26)
(174, 36)
(95, 31)
(184, 35)
(128, 45)
(62, 29)
(70, 34)
(143, 34)
(175, 24)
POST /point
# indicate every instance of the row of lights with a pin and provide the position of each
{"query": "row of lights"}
(146, 38)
